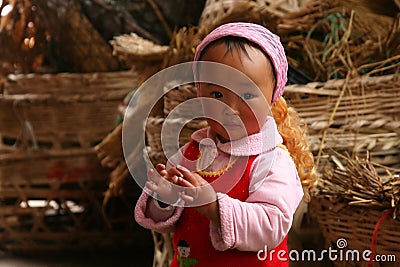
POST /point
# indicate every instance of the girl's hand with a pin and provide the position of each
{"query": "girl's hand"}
(161, 182)
(198, 193)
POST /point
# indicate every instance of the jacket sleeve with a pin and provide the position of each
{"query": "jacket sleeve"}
(151, 216)
(266, 216)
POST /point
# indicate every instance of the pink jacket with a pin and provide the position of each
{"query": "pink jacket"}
(274, 193)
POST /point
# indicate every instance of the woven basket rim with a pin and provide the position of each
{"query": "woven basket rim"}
(135, 46)
(21, 154)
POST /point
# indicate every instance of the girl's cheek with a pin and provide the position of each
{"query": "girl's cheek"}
(212, 110)
(260, 110)
(255, 117)
(252, 127)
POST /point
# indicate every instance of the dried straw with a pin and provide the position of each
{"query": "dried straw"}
(132, 47)
(333, 40)
(360, 182)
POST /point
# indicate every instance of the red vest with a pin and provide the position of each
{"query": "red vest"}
(191, 241)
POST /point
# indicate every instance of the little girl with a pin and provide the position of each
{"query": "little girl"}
(266, 156)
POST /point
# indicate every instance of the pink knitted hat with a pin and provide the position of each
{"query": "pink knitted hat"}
(269, 43)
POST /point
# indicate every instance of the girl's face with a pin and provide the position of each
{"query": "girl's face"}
(248, 103)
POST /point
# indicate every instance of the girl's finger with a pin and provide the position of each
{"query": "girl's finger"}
(172, 179)
(181, 168)
(160, 167)
(186, 197)
(188, 175)
(184, 183)
(152, 186)
(174, 172)
(157, 177)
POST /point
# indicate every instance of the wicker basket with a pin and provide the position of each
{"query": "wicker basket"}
(154, 126)
(356, 225)
(177, 96)
(52, 184)
(357, 204)
(53, 200)
(357, 115)
(62, 110)
(153, 132)
(215, 9)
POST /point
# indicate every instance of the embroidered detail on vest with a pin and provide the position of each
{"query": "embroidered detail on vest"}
(184, 252)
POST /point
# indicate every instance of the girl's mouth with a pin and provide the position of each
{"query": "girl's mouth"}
(231, 125)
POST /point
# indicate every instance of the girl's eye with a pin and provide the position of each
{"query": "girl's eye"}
(216, 94)
(247, 96)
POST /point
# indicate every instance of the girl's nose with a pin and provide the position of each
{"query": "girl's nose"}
(232, 108)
